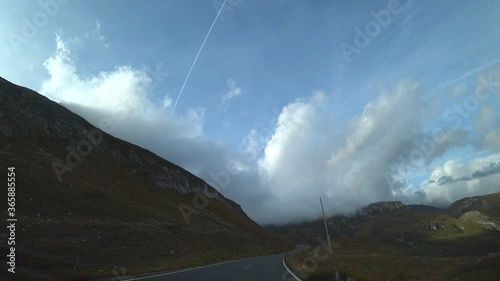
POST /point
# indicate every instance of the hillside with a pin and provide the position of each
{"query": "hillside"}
(90, 205)
(386, 240)
(488, 204)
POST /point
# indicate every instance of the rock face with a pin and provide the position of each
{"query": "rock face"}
(384, 207)
(29, 115)
(421, 208)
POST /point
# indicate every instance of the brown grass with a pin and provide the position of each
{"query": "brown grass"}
(105, 217)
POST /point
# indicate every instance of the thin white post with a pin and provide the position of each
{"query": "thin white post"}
(326, 226)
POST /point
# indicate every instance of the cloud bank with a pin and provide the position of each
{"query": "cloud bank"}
(389, 151)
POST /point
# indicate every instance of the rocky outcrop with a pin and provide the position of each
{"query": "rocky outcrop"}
(384, 207)
(421, 208)
(25, 114)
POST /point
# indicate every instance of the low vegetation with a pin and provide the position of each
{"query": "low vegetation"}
(116, 212)
(405, 244)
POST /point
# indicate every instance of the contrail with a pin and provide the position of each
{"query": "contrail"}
(198, 54)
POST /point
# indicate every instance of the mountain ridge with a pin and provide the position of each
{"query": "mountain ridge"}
(405, 243)
(424, 217)
(54, 124)
(89, 203)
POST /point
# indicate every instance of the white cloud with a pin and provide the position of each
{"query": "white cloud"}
(484, 119)
(457, 179)
(96, 33)
(233, 91)
(297, 131)
(307, 158)
(167, 102)
(390, 112)
(492, 139)
(492, 134)
(304, 154)
(488, 126)
(252, 143)
(121, 93)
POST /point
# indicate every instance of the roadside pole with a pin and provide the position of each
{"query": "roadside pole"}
(335, 275)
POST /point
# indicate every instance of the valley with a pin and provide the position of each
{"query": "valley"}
(389, 240)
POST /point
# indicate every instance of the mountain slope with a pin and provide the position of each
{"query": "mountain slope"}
(389, 240)
(489, 204)
(91, 205)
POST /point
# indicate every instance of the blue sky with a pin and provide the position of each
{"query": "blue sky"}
(274, 92)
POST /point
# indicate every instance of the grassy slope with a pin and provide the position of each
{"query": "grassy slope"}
(103, 216)
(407, 246)
(367, 262)
(114, 218)
(487, 204)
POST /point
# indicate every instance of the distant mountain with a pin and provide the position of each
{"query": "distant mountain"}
(395, 206)
(393, 241)
(488, 204)
(90, 204)
(474, 221)
(382, 207)
(421, 208)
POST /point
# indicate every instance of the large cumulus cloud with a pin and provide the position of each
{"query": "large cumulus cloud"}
(303, 154)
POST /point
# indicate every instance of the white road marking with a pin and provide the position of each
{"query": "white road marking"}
(294, 276)
(247, 266)
(184, 270)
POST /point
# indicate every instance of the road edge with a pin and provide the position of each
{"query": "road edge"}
(141, 276)
(289, 271)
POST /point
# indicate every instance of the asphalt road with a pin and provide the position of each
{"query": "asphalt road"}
(267, 268)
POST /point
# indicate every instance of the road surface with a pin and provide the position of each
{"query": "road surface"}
(267, 268)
